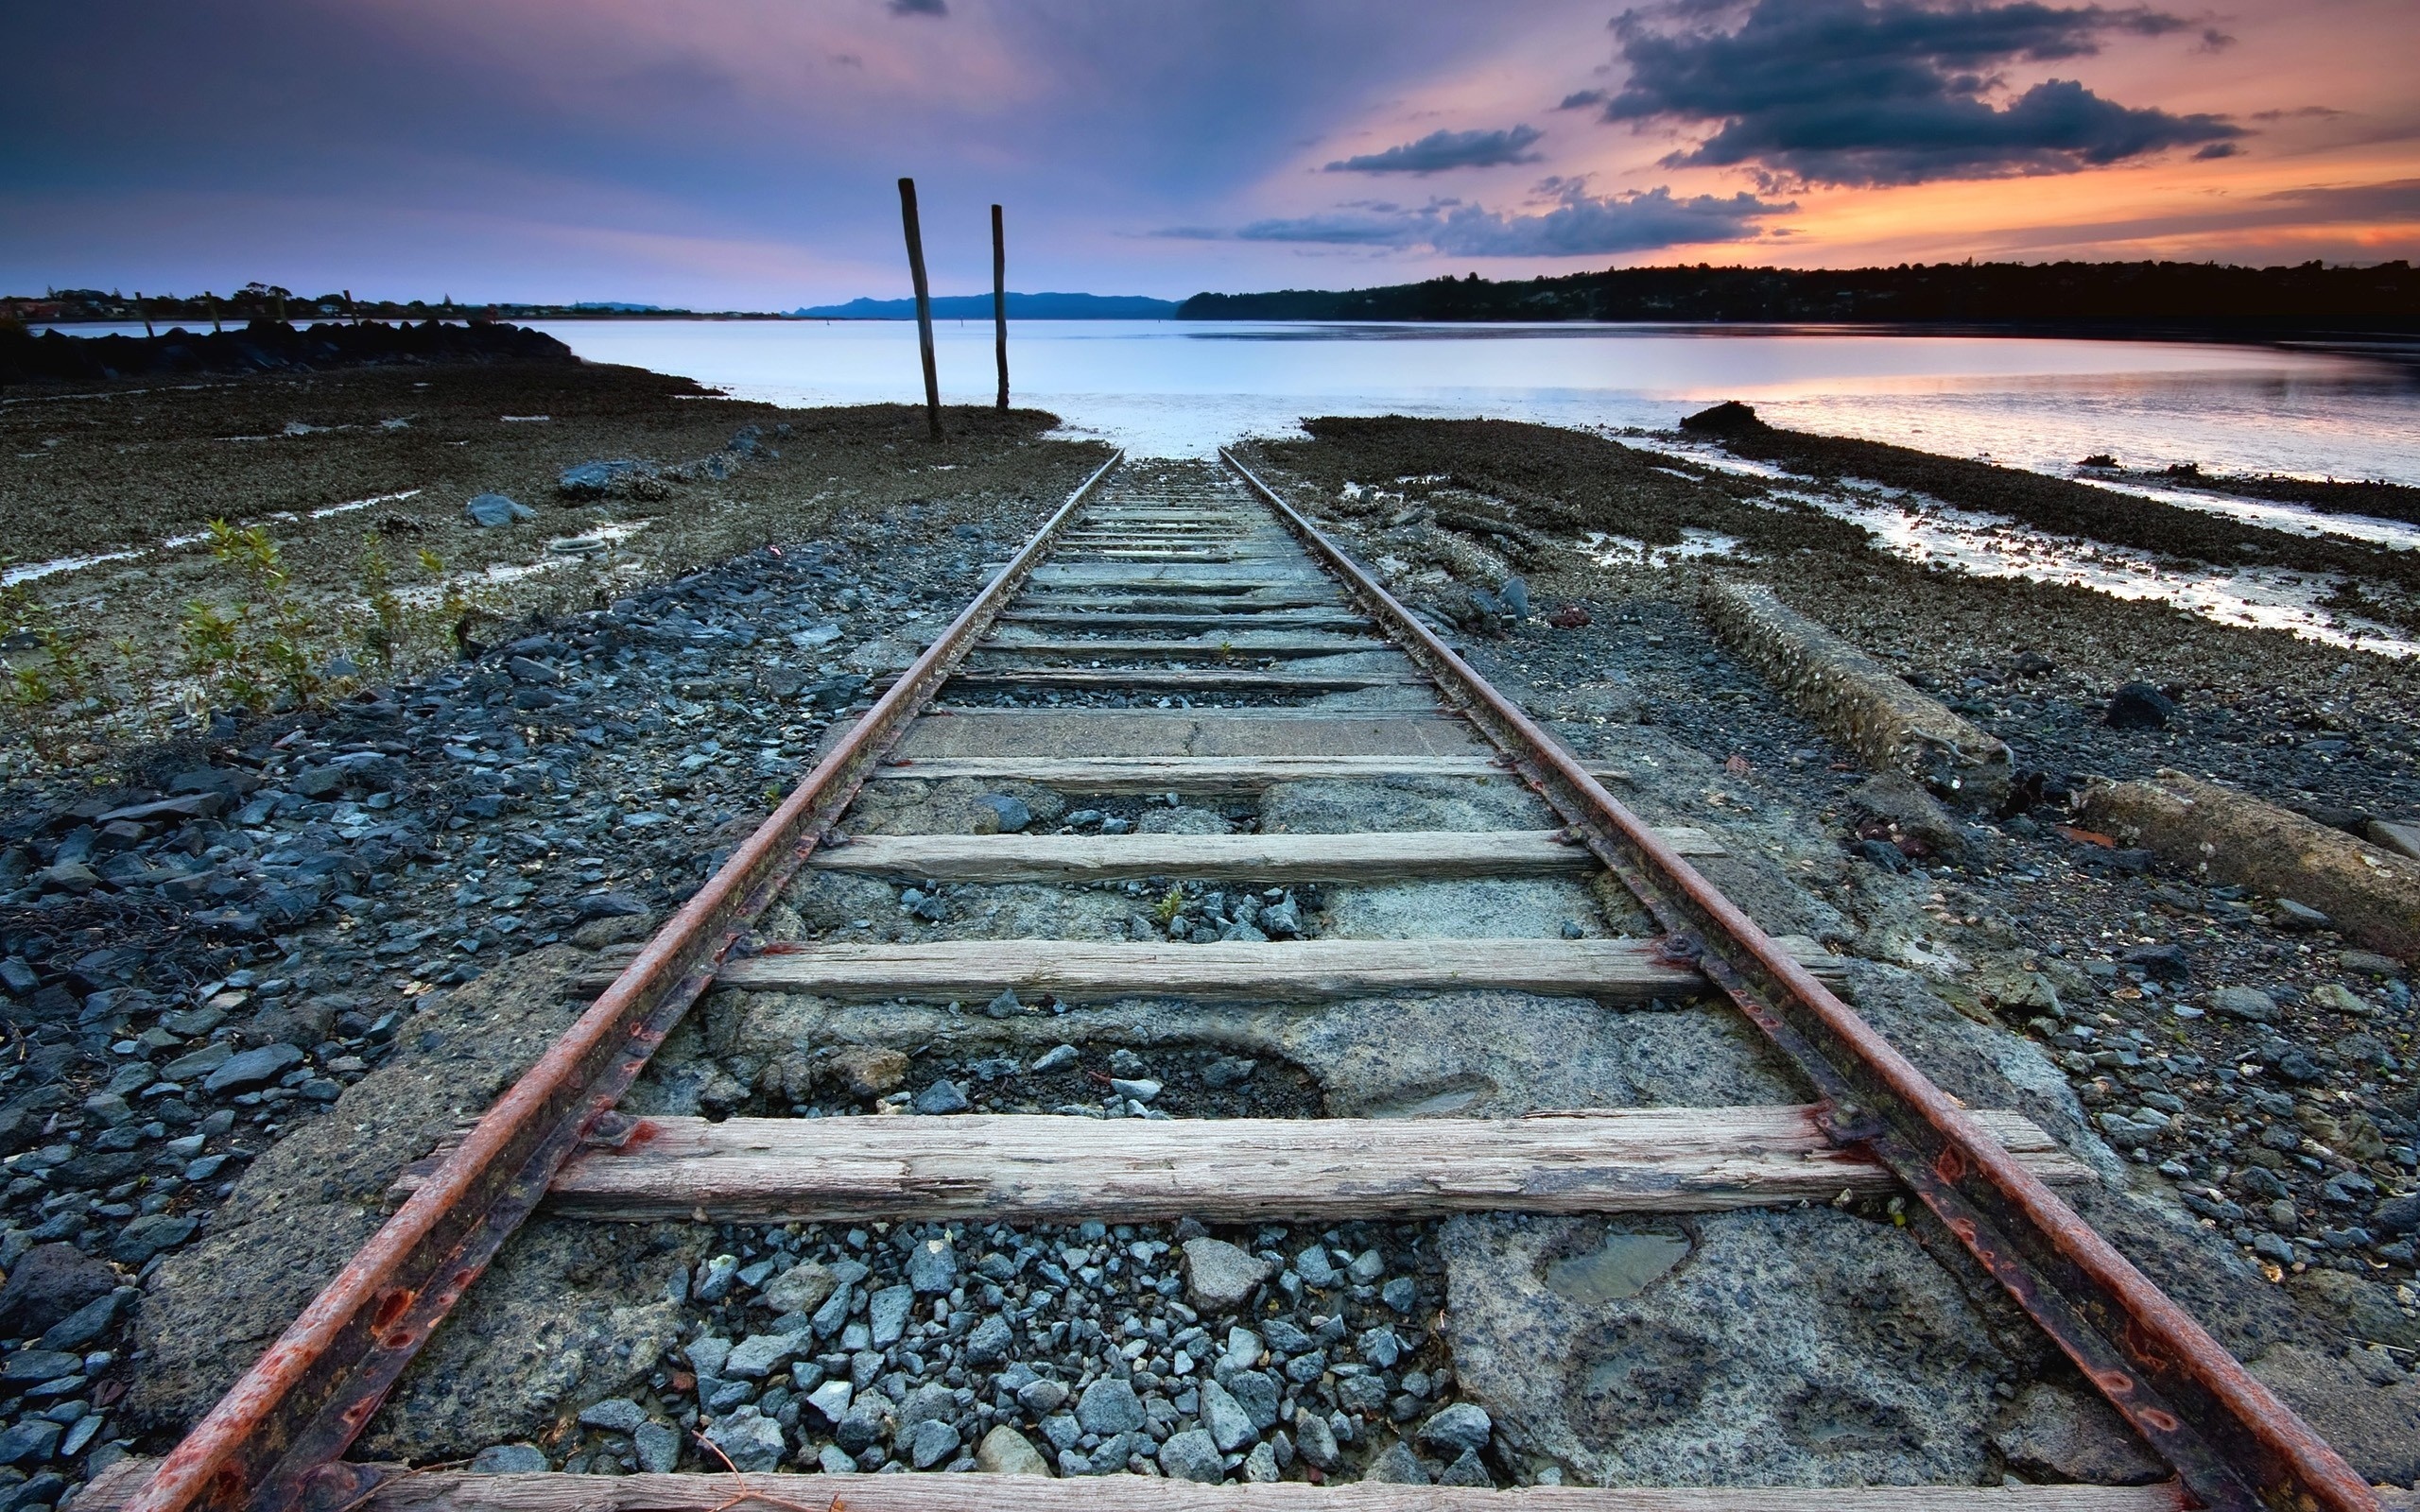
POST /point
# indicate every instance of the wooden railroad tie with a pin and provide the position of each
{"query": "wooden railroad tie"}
(1031, 1168)
(418, 1490)
(1213, 774)
(1609, 970)
(1354, 857)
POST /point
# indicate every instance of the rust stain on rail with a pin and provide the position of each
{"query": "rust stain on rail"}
(273, 1442)
(2232, 1441)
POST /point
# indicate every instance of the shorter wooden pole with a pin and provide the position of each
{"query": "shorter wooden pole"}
(1000, 302)
(924, 305)
(144, 310)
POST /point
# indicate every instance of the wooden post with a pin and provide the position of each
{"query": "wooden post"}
(1000, 302)
(215, 326)
(144, 310)
(924, 305)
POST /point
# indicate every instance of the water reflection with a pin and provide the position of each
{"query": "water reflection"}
(1182, 389)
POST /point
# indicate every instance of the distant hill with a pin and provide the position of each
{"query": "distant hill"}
(1021, 307)
(2194, 297)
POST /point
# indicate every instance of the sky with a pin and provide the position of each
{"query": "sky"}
(742, 154)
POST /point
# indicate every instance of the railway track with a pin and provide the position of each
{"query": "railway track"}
(1250, 719)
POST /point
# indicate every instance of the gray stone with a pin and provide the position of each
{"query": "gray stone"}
(31, 1366)
(1313, 1439)
(759, 1355)
(659, 1447)
(1218, 1276)
(253, 1070)
(831, 1399)
(198, 1064)
(1225, 1417)
(930, 1442)
(706, 1355)
(1257, 1391)
(1042, 1397)
(989, 1343)
(1467, 1470)
(802, 1288)
(1054, 1058)
(1063, 1430)
(931, 1399)
(1005, 1452)
(87, 1323)
(829, 1319)
(2248, 1004)
(1260, 1466)
(863, 1426)
(29, 1441)
(491, 510)
(49, 1283)
(751, 1440)
(1192, 1456)
(834, 1460)
(942, 1096)
(1463, 1426)
(1008, 815)
(1108, 1405)
(1313, 1266)
(1400, 1293)
(510, 1459)
(1380, 1347)
(1397, 1465)
(615, 1415)
(932, 1267)
(887, 1313)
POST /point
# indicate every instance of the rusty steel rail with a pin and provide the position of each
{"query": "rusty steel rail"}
(2233, 1443)
(276, 1439)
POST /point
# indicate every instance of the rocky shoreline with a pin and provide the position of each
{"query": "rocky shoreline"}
(273, 962)
(207, 947)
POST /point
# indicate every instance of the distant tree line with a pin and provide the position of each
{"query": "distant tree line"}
(2205, 297)
(268, 302)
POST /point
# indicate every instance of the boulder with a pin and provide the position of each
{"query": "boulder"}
(492, 511)
(49, 1283)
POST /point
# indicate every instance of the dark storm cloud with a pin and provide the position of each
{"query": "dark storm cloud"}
(1581, 99)
(919, 8)
(1888, 92)
(1577, 225)
(1440, 150)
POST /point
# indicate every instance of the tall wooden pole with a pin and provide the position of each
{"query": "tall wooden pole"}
(924, 305)
(1000, 301)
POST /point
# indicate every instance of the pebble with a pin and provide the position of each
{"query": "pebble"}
(1192, 1456)
(2247, 1003)
(942, 1097)
(510, 1459)
(1109, 1406)
(1218, 1276)
(1080, 1341)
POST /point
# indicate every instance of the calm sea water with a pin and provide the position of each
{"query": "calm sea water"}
(1180, 388)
